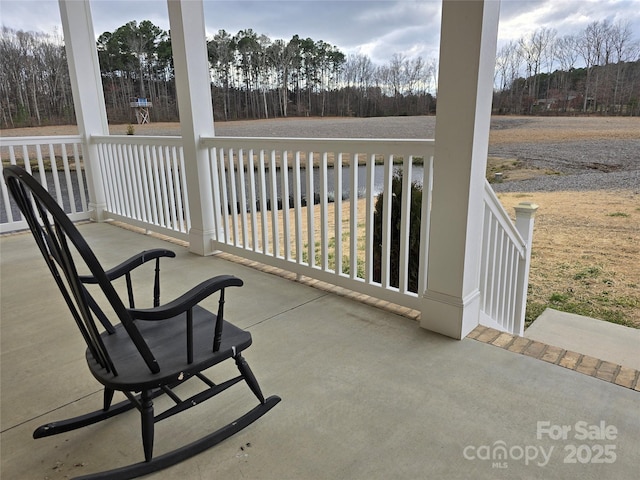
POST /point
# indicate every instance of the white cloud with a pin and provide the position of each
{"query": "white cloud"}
(567, 17)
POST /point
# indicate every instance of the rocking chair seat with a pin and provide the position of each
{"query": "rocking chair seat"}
(167, 341)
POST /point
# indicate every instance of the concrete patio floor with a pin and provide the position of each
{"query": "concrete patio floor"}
(366, 394)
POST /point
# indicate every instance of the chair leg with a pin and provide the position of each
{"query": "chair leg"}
(108, 398)
(249, 377)
(146, 414)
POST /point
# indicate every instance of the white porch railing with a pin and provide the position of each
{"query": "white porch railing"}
(57, 163)
(144, 182)
(307, 206)
(303, 205)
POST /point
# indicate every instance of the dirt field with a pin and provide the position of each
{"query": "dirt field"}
(586, 252)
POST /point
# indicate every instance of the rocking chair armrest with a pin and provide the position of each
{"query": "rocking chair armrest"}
(130, 264)
(187, 300)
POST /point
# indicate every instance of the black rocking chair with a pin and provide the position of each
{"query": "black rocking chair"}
(149, 351)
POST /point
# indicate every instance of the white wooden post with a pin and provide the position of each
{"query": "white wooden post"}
(188, 42)
(451, 303)
(88, 96)
(525, 217)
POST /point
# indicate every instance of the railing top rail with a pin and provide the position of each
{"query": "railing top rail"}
(171, 141)
(498, 211)
(355, 145)
(39, 140)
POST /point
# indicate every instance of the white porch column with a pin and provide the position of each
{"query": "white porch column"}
(188, 42)
(88, 96)
(451, 304)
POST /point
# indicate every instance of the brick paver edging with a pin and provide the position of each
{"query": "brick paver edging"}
(607, 371)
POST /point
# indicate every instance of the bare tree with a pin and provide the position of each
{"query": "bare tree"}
(533, 50)
(221, 56)
(567, 55)
(358, 77)
(622, 50)
(34, 79)
(508, 64)
(280, 56)
(590, 47)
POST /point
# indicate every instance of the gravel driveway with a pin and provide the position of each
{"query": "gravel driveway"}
(583, 165)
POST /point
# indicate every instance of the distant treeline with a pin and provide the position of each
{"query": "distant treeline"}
(537, 74)
(252, 77)
(255, 77)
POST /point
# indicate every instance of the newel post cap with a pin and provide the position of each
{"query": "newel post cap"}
(526, 208)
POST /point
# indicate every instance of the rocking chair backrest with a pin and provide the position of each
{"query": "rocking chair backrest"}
(57, 237)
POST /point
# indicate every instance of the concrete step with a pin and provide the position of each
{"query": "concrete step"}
(604, 340)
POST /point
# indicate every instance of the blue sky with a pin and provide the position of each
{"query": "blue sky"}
(375, 28)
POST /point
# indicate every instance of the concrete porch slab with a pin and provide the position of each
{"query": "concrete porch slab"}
(366, 394)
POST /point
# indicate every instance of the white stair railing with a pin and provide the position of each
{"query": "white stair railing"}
(506, 256)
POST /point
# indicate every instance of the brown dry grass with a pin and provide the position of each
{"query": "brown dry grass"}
(586, 253)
